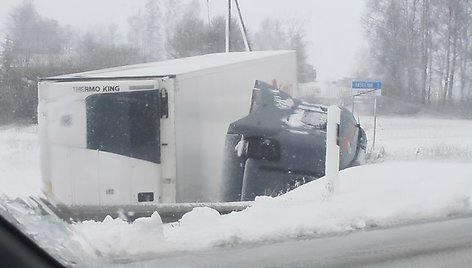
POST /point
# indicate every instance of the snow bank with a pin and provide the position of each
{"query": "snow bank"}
(115, 237)
(372, 195)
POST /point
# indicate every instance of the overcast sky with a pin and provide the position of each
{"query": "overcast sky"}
(333, 26)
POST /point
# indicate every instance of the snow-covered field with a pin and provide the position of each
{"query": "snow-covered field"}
(406, 139)
(19, 161)
(420, 170)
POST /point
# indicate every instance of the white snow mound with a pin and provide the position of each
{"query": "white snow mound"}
(371, 195)
(115, 237)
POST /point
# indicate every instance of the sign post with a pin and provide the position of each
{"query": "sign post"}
(332, 149)
(367, 88)
(375, 123)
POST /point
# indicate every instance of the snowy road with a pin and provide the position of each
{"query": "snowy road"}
(436, 244)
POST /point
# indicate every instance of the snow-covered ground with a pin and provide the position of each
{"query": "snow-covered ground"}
(19, 161)
(382, 195)
(424, 138)
(420, 170)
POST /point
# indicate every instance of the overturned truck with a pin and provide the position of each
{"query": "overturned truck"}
(172, 135)
(281, 144)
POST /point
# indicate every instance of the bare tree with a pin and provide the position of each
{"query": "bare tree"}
(146, 30)
(30, 44)
(276, 34)
(38, 47)
(193, 36)
(421, 48)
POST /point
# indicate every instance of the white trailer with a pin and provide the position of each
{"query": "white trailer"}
(151, 133)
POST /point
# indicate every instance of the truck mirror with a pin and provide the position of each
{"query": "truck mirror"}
(164, 103)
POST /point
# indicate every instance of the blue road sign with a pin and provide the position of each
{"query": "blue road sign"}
(366, 85)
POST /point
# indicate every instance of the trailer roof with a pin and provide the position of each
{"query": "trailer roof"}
(171, 67)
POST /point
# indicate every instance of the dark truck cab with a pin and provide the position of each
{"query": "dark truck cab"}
(281, 144)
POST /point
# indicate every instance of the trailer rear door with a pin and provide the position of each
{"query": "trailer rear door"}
(103, 147)
(124, 128)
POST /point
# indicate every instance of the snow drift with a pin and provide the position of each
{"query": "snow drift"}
(370, 196)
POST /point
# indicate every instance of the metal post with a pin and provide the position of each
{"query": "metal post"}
(353, 101)
(228, 26)
(332, 149)
(243, 27)
(375, 123)
(208, 12)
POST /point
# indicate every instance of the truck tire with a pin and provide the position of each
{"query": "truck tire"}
(233, 171)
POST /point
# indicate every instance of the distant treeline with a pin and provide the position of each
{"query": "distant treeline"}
(422, 51)
(35, 47)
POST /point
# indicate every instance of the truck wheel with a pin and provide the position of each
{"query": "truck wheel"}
(233, 171)
(360, 158)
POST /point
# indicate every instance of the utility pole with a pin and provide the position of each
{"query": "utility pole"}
(243, 27)
(228, 27)
(208, 12)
